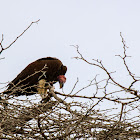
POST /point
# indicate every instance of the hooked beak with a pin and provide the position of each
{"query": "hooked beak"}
(62, 80)
(61, 85)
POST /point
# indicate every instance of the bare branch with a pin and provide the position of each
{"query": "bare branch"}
(99, 64)
(2, 48)
(103, 109)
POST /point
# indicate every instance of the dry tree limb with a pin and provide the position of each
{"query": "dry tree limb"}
(41, 131)
(4, 48)
(125, 64)
(98, 63)
(57, 98)
(57, 118)
(26, 114)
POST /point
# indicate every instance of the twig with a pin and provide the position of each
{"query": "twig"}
(40, 129)
(58, 99)
(2, 48)
(121, 112)
(100, 65)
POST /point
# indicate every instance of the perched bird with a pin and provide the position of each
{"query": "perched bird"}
(36, 76)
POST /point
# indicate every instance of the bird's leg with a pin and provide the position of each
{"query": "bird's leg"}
(42, 89)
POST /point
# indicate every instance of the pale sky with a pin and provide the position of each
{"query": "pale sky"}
(94, 25)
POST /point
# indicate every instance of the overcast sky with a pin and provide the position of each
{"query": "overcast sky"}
(94, 25)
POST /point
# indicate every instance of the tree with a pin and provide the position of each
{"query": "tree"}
(62, 116)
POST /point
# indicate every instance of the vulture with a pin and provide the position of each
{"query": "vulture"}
(36, 76)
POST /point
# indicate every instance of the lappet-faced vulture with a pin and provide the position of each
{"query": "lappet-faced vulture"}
(40, 72)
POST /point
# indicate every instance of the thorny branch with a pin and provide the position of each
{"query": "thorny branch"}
(124, 60)
(105, 114)
(99, 64)
(4, 48)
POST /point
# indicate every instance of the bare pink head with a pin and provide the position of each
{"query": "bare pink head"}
(62, 80)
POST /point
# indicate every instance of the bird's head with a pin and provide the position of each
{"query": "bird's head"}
(62, 80)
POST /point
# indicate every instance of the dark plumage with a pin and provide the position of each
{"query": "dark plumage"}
(49, 69)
